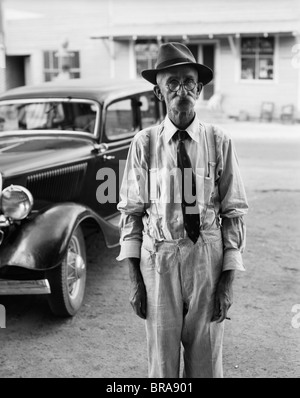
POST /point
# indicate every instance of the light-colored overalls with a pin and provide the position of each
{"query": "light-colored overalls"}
(180, 279)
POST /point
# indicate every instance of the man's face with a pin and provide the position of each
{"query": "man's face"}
(181, 100)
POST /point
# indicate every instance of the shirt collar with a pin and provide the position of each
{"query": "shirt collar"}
(193, 129)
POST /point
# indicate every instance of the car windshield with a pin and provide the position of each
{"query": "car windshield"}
(73, 115)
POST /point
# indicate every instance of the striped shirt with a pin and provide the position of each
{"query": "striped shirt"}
(220, 194)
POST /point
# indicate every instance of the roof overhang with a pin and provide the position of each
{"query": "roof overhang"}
(200, 30)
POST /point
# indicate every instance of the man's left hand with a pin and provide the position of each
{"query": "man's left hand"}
(223, 296)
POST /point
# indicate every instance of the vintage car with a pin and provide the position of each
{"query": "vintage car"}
(62, 151)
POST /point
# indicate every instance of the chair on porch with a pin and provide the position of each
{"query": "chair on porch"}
(266, 111)
(287, 113)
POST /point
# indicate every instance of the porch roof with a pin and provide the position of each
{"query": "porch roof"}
(201, 29)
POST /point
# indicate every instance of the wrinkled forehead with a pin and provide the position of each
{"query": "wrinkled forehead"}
(177, 72)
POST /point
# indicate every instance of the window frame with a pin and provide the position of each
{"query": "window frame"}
(122, 136)
(138, 116)
(150, 61)
(31, 100)
(53, 70)
(275, 62)
(156, 105)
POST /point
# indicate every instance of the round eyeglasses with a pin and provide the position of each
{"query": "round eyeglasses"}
(174, 85)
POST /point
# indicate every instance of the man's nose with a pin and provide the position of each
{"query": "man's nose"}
(182, 90)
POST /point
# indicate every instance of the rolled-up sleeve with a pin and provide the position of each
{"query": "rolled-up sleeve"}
(234, 204)
(133, 197)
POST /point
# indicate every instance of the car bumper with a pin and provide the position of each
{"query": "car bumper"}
(12, 287)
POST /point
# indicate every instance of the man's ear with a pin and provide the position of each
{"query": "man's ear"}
(158, 93)
(199, 88)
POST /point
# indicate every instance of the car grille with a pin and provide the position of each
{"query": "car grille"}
(57, 185)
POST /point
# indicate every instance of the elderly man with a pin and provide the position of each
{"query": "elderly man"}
(182, 230)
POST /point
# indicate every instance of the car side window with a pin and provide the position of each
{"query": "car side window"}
(77, 115)
(84, 116)
(149, 109)
(121, 118)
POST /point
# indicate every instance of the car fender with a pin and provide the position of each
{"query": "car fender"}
(41, 243)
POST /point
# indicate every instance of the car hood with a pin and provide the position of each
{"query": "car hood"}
(24, 155)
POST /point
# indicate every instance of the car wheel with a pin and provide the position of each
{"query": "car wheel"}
(67, 281)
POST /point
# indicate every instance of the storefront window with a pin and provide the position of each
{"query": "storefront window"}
(53, 64)
(257, 56)
(146, 54)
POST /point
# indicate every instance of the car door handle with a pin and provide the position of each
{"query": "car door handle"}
(108, 157)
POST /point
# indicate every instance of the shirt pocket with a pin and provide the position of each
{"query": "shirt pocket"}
(205, 189)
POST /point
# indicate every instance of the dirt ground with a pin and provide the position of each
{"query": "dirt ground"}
(106, 340)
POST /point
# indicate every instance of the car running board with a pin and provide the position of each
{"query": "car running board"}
(12, 287)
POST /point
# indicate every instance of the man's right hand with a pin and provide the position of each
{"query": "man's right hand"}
(138, 299)
(138, 295)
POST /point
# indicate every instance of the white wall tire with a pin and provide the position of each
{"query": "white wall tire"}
(67, 281)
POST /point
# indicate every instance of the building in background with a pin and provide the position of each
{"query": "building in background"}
(253, 46)
(2, 52)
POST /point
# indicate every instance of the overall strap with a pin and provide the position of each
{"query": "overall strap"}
(211, 146)
(152, 147)
(153, 188)
(212, 159)
(153, 167)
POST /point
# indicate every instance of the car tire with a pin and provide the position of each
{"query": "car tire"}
(67, 281)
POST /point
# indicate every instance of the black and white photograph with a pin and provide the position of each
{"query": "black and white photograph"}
(149, 191)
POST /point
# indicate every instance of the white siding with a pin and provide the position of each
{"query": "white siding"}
(248, 95)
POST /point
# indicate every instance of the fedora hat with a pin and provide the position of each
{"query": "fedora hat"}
(175, 54)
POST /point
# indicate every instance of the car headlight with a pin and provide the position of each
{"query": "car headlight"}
(16, 202)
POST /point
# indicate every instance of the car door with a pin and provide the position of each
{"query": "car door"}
(123, 118)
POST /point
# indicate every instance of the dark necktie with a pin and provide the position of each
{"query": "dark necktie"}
(188, 189)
